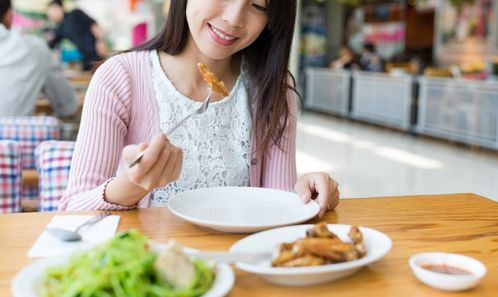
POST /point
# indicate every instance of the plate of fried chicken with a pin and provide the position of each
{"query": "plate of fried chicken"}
(313, 254)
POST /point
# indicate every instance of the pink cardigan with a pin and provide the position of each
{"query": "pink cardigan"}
(119, 110)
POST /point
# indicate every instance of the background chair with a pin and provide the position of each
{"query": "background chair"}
(28, 132)
(53, 162)
(10, 176)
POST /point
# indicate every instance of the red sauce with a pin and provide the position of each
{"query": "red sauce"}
(446, 269)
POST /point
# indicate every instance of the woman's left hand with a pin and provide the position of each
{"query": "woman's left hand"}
(321, 186)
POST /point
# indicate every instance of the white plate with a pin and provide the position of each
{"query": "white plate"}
(378, 245)
(27, 282)
(241, 209)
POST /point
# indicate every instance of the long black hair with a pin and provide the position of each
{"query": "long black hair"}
(267, 60)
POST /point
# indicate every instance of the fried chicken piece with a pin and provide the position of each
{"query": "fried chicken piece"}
(286, 246)
(357, 237)
(332, 249)
(321, 244)
(320, 230)
(305, 260)
(286, 254)
(214, 83)
(355, 234)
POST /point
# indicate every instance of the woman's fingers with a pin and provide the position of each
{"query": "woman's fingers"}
(304, 189)
(153, 152)
(334, 199)
(320, 185)
(172, 168)
(140, 173)
(179, 164)
(153, 177)
(323, 191)
(130, 152)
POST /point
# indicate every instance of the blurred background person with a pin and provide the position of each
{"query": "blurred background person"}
(26, 70)
(369, 60)
(345, 59)
(80, 29)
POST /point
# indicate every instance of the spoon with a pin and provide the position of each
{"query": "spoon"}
(68, 235)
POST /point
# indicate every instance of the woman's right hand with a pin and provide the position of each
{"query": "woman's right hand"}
(160, 165)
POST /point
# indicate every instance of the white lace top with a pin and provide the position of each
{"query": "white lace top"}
(216, 144)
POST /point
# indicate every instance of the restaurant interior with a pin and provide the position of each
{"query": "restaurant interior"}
(396, 148)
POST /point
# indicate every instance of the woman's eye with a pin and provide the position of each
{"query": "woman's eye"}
(259, 8)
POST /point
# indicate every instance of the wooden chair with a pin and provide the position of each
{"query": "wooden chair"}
(53, 162)
(28, 132)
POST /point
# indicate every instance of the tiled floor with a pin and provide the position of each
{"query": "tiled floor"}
(369, 161)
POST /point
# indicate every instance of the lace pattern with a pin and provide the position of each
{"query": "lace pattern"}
(216, 144)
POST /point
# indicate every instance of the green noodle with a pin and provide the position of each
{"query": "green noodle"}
(123, 267)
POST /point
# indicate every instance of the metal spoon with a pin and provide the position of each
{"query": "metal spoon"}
(200, 110)
(68, 235)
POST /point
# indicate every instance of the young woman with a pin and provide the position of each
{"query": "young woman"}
(244, 139)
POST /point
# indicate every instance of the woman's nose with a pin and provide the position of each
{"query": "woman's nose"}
(234, 13)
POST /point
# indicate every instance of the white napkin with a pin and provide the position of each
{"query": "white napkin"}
(48, 246)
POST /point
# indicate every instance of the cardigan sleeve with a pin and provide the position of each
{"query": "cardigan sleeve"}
(103, 129)
(279, 165)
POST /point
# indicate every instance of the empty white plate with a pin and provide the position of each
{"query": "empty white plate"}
(27, 282)
(378, 245)
(241, 209)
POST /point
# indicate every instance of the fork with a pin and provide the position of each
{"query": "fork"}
(199, 110)
(228, 257)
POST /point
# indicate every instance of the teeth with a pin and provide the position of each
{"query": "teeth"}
(221, 35)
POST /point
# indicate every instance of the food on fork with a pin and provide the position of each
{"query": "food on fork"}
(214, 83)
(319, 247)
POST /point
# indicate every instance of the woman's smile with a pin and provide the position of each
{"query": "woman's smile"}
(221, 37)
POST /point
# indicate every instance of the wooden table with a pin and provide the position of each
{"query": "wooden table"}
(460, 223)
(78, 79)
(43, 106)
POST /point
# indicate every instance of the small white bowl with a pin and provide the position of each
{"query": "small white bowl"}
(448, 282)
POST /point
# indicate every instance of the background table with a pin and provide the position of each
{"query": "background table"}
(459, 223)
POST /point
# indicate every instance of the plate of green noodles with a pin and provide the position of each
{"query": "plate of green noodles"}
(123, 266)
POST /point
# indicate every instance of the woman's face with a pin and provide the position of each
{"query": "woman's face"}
(221, 28)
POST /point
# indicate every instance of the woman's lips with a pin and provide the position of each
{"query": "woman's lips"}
(220, 37)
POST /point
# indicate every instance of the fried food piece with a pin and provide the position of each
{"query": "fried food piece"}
(357, 237)
(305, 260)
(214, 83)
(332, 250)
(320, 230)
(320, 246)
(355, 234)
(285, 255)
